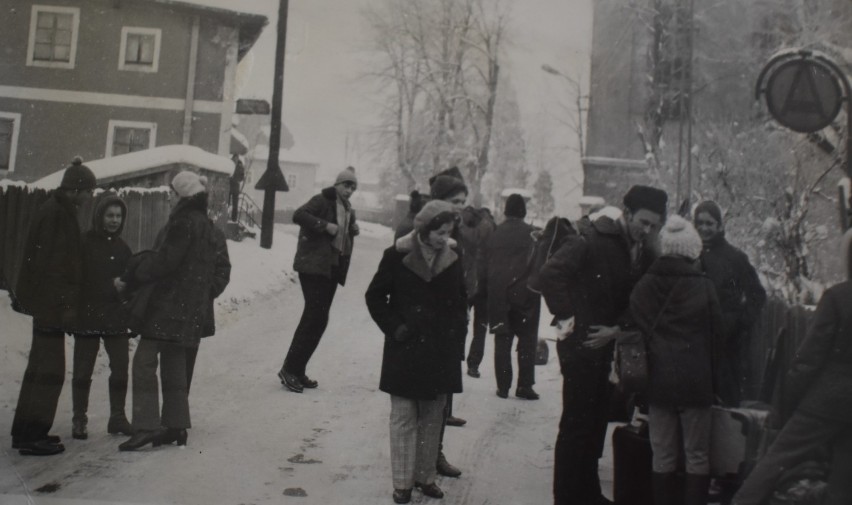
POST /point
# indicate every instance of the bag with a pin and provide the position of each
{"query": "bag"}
(632, 465)
(545, 244)
(631, 362)
(542, 352)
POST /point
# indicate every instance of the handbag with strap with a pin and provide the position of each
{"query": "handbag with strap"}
(631, 356)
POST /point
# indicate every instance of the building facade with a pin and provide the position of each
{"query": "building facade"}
(99, 78)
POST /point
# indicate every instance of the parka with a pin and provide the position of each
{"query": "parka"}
(105, 257)
(435, 313)
(684, 346)
(51, 273)
(314, 251)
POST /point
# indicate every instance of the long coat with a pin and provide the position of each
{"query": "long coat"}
(504, 269)
(435, 312)
(684, 345)
(182, 267)
(590, 277)
(821, 373)
(314, 252)
(105, 257)
(51, 273)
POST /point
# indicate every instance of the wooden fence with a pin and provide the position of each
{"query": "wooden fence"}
(147, 212)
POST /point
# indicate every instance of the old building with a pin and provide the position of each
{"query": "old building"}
(99, 78)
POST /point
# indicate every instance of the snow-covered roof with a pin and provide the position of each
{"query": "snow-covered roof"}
(125, 164)
(527, 194)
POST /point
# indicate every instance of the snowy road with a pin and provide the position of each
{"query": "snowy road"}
(255, 443)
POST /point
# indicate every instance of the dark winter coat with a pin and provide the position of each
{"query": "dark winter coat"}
(51, 273)
(821, 373)
(314, 252)
(473, 231)
(183, 268)
(105, 257)
(737, 286)
(504, 269)
(221, 277)
(590, 277)
(428, 363)
(683, 346)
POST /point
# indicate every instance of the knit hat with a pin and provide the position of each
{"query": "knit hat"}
(679, 238)
(78, 176)
(430, 211)
(188, 183)
(346, 175)
(710, 207)
(515, 206)
(645, 197)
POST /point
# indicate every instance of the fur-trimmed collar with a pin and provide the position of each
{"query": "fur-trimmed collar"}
(415, 261)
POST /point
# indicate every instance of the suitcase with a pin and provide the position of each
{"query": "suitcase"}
(737, 440)
(631, 455)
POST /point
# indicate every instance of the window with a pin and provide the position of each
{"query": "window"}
(130, 136)
(140, 49)
(10, 124)
(291, 181)
(53, 36)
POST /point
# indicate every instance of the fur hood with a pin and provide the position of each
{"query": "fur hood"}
(416, 262)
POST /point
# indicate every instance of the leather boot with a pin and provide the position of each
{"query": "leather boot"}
(80, 401)
(118, 423)
(696, 489)
(665, 488)
(445, 468)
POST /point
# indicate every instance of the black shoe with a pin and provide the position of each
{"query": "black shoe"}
(401, 495)
(51, 439)
(290, 382)
(431, 490)
(456, 421)
(308, 382)
(503, 393)
(39, 448)
(119, 425)
(445, 468)
(473, 371)
(78, 429)
(142, 438)
(526, 393)
(172, 435)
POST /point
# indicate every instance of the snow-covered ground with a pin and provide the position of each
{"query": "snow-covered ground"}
(253, 442)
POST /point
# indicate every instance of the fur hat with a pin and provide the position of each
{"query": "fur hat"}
(445, 186)
(346, 175)
(679, 238)
(710, 207)
(515, 206)
(78, 176)
(645, 197)
(430, 211)
(452, 172)
(188, 183)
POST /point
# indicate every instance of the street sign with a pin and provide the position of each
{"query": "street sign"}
(804, 95)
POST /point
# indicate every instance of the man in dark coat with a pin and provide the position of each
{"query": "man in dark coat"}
(48, 288)
(586, 285)
(513, 309)
(740, 294)
(327, 229)
(819, 388)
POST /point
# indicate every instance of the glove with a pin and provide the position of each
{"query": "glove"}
(402, 334)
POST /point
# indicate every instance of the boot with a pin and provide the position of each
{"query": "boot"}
(445, 468)
(80, 401)
(118, 423)
(696, 489)
(665, 488)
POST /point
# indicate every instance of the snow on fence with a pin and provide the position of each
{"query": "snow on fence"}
(147, 212)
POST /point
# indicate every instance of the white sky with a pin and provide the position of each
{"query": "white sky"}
(325, 100)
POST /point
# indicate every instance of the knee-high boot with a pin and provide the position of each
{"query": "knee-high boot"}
(665, 489)
(118, 422)
(80, 402)
(696, 489)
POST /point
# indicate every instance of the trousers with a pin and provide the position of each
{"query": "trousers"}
(415, 426)
(146, 402)
(85, 354)
(526, 329)
(318, 292)
(41, 386)
(479, 307)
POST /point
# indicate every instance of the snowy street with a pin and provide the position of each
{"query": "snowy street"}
(253, 442)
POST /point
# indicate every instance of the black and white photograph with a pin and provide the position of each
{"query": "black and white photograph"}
(460, 252)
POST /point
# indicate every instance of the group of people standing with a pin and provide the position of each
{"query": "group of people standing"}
(91, 286)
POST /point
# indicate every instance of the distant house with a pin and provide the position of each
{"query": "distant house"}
(102, 78)
(299, 171)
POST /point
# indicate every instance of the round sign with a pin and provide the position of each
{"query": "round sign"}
(803, 95)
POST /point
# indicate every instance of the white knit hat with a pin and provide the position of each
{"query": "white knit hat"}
(679, 238)
(187, 184)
